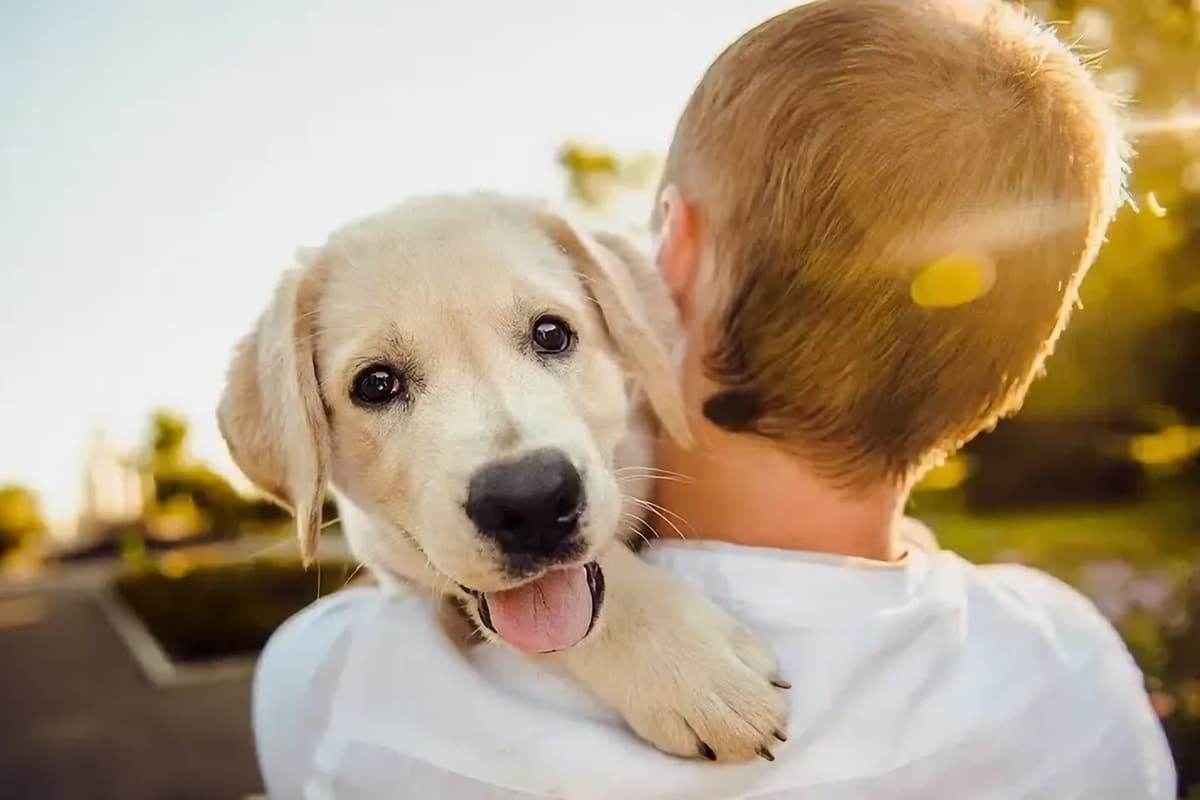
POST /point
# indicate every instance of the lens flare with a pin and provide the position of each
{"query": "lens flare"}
(952, 280)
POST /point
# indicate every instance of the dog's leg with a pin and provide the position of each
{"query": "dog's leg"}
(684, 674)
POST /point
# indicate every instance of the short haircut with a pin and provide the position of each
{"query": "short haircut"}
(841, 149)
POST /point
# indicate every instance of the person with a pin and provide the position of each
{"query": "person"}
(874, 218)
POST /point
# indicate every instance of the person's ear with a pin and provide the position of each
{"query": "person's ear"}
(677, 248)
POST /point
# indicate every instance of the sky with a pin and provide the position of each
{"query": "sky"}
(161, 161)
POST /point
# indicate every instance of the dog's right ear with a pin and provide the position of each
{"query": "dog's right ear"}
(271, 413)
(623, 282)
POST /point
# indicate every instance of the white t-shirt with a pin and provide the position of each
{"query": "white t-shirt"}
(930, 678)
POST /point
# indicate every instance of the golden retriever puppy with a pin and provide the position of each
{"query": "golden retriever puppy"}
(480, 384)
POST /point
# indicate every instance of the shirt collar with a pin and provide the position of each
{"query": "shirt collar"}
(794, 588)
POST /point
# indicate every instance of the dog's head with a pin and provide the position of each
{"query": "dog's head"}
(458, 368)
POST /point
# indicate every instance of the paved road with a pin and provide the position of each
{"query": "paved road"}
(78, 719)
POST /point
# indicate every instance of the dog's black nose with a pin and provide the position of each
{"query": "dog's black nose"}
(529, 506)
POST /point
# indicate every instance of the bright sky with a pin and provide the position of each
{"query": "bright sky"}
(160, 162)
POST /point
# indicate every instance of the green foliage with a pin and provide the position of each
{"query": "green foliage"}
(220, 505)
(596, 175)
(182, 484)
(167, 439)
(20, 517)
(224, 610)
(184, 488)
(1136, 340)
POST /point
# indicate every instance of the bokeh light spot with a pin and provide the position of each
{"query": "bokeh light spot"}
(950, 474)
(175, 565)
(952, 280)
(1173, 445)
(1153, 206)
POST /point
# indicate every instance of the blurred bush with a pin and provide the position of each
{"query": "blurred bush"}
(219, 610)
(1031, 462)
(20, 517)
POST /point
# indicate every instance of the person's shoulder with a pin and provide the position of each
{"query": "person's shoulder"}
(1043, 605)
(295, 681)
(318, 627)
(312, 644)
(304, 658)
(364, 686)
(1070, 672)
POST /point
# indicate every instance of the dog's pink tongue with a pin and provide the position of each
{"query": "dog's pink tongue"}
(551, 613)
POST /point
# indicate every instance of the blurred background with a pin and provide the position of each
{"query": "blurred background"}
(159, 164)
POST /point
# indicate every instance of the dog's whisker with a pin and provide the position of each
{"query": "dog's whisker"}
(658, 511)
(663, 509)
(661, 513)
(353, 572)
(651, 477)
(290, 541)
(648, 473)
(644, 468)
(641, 522)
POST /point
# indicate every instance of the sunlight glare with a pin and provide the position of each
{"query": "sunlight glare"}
(952, 280)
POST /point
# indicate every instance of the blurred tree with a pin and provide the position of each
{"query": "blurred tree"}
(20, 517)
(188, 498)
(168, 438)
(602, 181)
(591, 170)
(1135, 342)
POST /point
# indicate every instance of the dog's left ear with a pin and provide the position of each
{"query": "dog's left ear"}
(630, 294)
(271, 414)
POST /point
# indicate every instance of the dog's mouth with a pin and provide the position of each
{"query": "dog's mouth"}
(553, 612)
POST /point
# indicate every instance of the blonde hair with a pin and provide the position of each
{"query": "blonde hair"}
(839, 150)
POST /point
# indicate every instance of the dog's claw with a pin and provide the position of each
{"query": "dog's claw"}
(764, 753)
(780, 683)
(707, 752)
(781, 736)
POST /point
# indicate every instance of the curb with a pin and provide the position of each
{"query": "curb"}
(153, 661)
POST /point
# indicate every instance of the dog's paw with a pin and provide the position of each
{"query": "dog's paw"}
(683, 673)
(712, 691)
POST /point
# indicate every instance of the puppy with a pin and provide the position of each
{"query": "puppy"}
(480, 384)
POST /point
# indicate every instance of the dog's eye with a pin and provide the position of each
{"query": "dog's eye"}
(551, 335)
(376, 385)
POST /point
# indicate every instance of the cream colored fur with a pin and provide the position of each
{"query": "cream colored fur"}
(443, 287)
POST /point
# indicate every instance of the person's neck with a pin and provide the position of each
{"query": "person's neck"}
(743, 490)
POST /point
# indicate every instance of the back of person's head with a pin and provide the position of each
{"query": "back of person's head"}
(897, 201)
